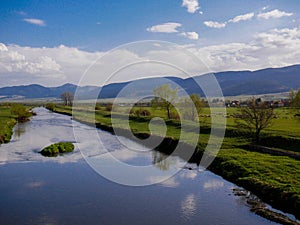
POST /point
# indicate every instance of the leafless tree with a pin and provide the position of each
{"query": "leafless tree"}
(255, 117)
(67, 98)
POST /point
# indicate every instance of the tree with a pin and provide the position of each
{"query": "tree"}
(21, 112)
(67, 98)
(165, 97)
(255, 117)
(192, 106)
(295, 98)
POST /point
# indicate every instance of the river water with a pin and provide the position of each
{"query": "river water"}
(66, 190)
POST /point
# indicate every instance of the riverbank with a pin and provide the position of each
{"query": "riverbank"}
(274, 179)
(7, 122)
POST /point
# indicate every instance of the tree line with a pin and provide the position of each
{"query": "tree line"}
(255, 117)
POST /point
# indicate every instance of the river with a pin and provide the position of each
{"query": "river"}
(66, 190)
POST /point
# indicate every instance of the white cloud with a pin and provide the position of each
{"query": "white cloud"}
(165, 28)
(273, 14)
(265, 7)
(214, 24)
(274, 48)
(243, 17)
(190, 35)
(58, 65)
(247, 16)
(35, 21)
(191, 5)
(50, 66)
(14, 61)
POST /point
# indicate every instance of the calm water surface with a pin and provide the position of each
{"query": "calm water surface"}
(65, 190)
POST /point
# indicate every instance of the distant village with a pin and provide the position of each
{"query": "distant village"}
(271, 103)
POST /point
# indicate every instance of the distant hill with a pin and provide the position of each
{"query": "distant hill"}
(271, 80)
(39, 91)
(232, 83)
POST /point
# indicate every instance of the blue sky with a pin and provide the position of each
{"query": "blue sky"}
(39, 32)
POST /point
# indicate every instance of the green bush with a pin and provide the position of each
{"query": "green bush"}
(50, 106)
(108, 107)
(21, 112)
(97, 106)
(140, 112)
(174, 116)
(54, 149)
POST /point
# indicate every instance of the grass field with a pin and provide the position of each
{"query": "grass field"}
(7, 122)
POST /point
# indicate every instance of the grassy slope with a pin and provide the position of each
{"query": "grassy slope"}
(276, 179)
(7, 123)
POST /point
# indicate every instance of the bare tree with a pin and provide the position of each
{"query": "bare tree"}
(67, 98)
(255, 117)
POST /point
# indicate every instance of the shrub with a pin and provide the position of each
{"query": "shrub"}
(97, 106)
(108, 107)
(140, 112)
(54, 149)
(21, 112)
(50, 106)
(174, 116)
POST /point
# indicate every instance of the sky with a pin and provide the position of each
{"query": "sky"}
(55, 42)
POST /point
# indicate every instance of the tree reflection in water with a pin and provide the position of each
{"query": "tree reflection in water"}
(19, 130)
(162, 161)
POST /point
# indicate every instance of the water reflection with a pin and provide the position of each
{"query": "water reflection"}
(35, 184)
(188, 206)
(170, 182)
(19, 129)
(190, 174)
(213, 184)
(31, 137)
(162, 161)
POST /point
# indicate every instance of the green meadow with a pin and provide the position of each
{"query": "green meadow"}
(7, 122)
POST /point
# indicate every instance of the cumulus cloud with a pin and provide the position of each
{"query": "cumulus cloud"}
(37, 22)
(273, 14)
(191, 5)
(247, 16)
(214, 24)
(274, 48)
(165, 28)
(190, 35)
(14, 61)
(50, 66)
(58, 65)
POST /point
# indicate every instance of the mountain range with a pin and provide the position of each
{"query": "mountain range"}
(232, 83)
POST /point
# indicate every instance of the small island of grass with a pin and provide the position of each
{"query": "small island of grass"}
(57, 148)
